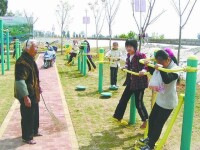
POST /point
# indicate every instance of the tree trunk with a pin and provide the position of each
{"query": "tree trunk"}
(179, 44)
(61, 43)
(110, 36)
(97, 42)
(97, 39)
(140, 43)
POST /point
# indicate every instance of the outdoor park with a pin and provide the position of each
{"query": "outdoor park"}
(77, 104)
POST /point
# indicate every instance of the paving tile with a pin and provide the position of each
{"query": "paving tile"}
(55, 131)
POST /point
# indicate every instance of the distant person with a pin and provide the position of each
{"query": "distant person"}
(90, 62)
(165, 102)
(27, 91)
(75, 50)
(114, 56)
(14, 46)
(134, 84)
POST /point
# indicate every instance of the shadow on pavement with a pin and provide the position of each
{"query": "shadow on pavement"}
(11, 143)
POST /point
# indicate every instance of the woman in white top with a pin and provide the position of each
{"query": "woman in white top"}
(74, 51)
(165, 102)
(114, 56)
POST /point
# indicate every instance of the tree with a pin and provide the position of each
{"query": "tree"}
(10, 14)
(3, 7)
(124, 36)
(30, 21)
(111, 8)
(198, 36)
(63, 17)
(157, 36)
(74, 34)
(131, 35)
(181, 12)
(68, 34)
(99, 17)
(147, 19)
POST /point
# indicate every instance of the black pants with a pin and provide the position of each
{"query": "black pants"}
(29, 120)
(92, 63)
(121, 107)
(14, 52)
(72, 55)
(157, 119)
(113, 75)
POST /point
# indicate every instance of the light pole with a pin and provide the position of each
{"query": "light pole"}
(53, 29)
(86, 18)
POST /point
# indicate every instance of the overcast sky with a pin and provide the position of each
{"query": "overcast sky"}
(167, 24)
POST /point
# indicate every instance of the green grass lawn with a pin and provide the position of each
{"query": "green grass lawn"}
(6, 90)
(92, 115)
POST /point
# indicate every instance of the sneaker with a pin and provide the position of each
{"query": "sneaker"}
(113, 87)
(115, 119)
(94, 70)
(122, 121)
(144, 141)
(145, 148)
(144, 125)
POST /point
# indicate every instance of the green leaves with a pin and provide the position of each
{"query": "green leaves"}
(3, 7)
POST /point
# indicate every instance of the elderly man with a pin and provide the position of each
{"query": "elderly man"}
(27, 91)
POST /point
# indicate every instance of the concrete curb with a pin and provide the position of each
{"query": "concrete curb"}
(73, 139)
(8, 117)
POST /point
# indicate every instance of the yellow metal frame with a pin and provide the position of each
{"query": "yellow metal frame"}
(102, 62)
(134, 73)
(185, 69)
(94, 54)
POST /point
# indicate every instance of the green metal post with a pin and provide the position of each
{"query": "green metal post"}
(67, 54)
(101, 59)
(2, 46)
(84, 59)
(20, 50)
(81, 57)
(79, 62)
(8, 49)
(132, 119)
(188, 114)
(17, 48)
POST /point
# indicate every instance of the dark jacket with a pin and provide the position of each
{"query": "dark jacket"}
(26, 69)
(136, 82)
(88, 49)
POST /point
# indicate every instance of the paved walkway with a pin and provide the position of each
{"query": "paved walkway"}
(58, 133)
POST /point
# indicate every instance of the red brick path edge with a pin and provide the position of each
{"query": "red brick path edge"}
(58, 133)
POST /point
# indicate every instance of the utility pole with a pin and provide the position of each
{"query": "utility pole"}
(86, 24)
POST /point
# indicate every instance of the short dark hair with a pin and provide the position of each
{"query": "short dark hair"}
(161, 55)
(115, 43)
(131, 42)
